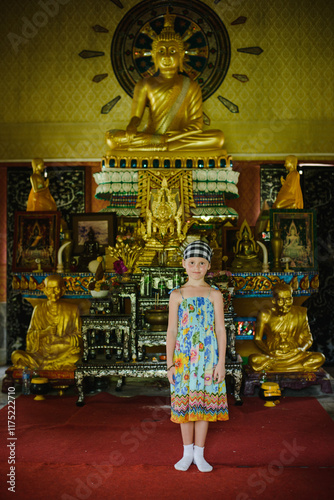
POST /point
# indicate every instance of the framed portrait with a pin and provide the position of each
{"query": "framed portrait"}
(36, 240)
(298, 228)
(98, 227)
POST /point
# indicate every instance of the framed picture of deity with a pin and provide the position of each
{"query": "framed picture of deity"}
(298, 233)
(94, 229)
(36, 241)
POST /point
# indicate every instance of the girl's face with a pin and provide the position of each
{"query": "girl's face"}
(196, 267)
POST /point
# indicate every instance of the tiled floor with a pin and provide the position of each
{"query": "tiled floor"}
(158, 387)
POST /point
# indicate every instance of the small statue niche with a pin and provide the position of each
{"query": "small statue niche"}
(246, 251)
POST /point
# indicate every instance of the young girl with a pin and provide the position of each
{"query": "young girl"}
(196, 345)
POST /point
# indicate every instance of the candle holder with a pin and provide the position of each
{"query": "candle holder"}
(39, 387)
(286, 260)
(270, 392)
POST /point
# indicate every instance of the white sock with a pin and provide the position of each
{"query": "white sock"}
(186, 460)
(199, 460)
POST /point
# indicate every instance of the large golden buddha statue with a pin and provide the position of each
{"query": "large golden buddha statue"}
(288, 337)
(175, 119)
(54, 335)
(290, 194)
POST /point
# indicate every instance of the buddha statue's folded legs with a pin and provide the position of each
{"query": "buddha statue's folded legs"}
(189, 141)
(303, 361)
(118, 139)
(203, 141)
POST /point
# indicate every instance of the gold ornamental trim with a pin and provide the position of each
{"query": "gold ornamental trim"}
(180, 181)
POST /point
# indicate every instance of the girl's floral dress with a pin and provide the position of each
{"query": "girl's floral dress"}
(195, 395)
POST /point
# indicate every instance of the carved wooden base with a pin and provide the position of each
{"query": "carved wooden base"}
(291, 380)
(144, 370)
(58, 379)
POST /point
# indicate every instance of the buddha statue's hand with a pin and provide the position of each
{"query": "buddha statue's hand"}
(49, 332)
(45, 347)
(74, 341)
(131, 132)
(277, 352)
(287, 354)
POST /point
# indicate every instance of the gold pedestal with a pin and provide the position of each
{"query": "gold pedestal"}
(167, 159)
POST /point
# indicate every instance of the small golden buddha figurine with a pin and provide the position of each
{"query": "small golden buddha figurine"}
(90, 252)
(54, 335)
(175, 105)
(290, 194)
(40, 198)
(288, 337)
(246, 251)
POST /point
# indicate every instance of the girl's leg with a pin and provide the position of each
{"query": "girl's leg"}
(201, 430)
(187, 432)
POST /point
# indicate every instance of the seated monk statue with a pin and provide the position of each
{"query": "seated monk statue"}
(175, 119)
(54, 336)
(246, 251)
(40, 198)
(290, 194)
(288, 337)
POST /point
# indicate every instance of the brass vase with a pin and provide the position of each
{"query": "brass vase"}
(277, 246)
(157, 318)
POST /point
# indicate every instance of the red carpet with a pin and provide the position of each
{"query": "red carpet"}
(125, 448)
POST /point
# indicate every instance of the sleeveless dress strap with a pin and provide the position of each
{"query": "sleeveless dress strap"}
(176, 288)
(214, 287)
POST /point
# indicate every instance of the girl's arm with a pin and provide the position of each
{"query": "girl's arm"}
(218, 304)
(174, 303)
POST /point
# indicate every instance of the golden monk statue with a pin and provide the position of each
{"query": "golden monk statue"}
(246, 251)
(54, 335)
(40, 198)
(288, 337)
(290, 194)
(175, 105)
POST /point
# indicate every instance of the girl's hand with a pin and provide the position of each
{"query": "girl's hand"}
(171, 375)
(219, 373)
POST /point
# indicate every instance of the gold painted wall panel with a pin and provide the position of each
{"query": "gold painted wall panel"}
(51, 107)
